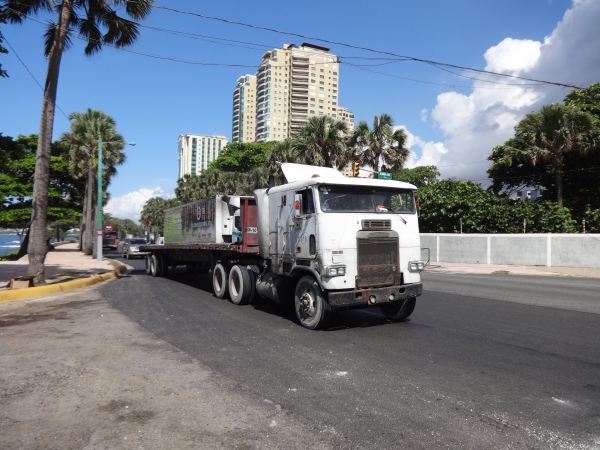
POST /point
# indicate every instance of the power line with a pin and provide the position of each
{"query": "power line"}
(356, 47)
(31, 74)
(398, 58)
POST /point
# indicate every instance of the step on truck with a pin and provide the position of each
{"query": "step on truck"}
(323, 242)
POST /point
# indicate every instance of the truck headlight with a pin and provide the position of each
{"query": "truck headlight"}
(335, 271)
(416, 266)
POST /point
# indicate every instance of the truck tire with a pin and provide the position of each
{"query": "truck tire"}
(157, 268)
(312, 310)
(399, 310)
(148, 265)
(240, 285)
(220, 280)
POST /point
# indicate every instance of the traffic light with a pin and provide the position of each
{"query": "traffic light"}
(355, 169)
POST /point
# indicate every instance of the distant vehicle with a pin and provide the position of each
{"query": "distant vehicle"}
(109, 236)
(131, 248)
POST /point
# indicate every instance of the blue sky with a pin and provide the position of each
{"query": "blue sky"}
(452, 119)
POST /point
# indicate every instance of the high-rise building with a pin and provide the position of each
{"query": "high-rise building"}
(345, 116)
(292, 84)
(244, 109)
(197, 151)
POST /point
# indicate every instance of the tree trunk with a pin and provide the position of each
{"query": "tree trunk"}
(39, 209)
(88, 235)
(559, 187)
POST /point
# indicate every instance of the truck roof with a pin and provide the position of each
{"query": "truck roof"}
(306, 175)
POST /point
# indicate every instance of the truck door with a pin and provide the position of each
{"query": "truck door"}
(302, 232)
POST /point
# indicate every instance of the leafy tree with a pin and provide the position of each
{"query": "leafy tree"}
(380, 144)
(587, 100)
(241, 156)
(90, 17)
(450, 206)
(17, 165)
(86, 130)
(323, 141)
(419, 176)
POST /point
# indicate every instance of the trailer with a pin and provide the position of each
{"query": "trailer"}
(322, 242)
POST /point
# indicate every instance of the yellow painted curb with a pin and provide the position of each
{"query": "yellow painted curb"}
(58, 288)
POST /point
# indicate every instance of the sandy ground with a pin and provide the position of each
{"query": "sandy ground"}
(77, 374)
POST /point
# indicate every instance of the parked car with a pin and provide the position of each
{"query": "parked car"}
(131, 248)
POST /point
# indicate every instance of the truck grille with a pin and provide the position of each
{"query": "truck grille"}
(378, 262)
(376, 224)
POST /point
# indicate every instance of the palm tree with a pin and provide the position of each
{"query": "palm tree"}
(323, 142)
(86, 129)
(381, 144)
(90, 18)
(153, 214)
(549, 135)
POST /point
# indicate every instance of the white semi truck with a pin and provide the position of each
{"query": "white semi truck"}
(322, 241)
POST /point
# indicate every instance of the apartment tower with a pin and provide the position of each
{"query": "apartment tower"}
(197, 151)
(244, 109)
(292, 84)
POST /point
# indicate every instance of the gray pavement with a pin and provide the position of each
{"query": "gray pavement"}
(66, 263)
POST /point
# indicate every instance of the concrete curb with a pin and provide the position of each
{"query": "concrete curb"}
(59, 288)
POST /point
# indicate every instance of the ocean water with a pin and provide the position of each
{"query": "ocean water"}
(9, 244)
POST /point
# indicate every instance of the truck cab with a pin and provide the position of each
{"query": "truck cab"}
(357, 238)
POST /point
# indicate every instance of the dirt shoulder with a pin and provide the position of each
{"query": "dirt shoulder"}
(78, 374)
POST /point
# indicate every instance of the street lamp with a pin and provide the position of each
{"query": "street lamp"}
(100, 234)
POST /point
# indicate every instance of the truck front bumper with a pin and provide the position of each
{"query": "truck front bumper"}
(373, 297)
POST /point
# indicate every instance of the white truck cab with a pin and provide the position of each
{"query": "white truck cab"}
(357, 238)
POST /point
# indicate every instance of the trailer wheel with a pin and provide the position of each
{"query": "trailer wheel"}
(398, 310)
(240, 285)
(220, 278)
(311, 308)
(157, 268)
(148, 264)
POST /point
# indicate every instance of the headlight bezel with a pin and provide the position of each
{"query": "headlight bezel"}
(335, 271)
(416, 266)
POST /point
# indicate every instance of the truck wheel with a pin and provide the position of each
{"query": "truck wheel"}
(240, 285)
(311, 308)
(148, 263)
(157, 268)
(220, 278)
(398, 310)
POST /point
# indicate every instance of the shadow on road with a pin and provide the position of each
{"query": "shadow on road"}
(340, 320)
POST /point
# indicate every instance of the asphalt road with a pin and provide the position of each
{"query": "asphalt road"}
(483, 362)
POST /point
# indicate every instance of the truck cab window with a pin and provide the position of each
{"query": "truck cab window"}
(308, 204)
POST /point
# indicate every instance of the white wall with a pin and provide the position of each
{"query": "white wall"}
(552, 250)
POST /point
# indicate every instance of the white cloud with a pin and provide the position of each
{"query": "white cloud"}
(474, 124)
(129, 206)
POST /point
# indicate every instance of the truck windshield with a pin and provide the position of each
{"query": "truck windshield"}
(364, 199)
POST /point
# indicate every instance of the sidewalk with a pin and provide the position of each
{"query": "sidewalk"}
(505, 269)
(64, 265)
